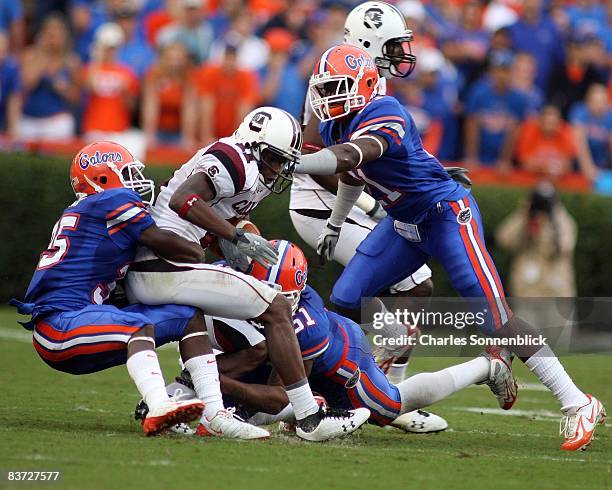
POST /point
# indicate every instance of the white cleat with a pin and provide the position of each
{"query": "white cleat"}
(183, 429)
(578, 424)
(420, 422)
(501, 379)
(228, 425)
(329, 423)
(170, 413)
(385, 356)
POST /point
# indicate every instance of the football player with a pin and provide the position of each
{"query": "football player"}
(380, 29)
(341, 367)
(75, 329)
(227, 179)
(374, 142)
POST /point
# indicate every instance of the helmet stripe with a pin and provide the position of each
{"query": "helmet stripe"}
(275, 270)
(323, 62)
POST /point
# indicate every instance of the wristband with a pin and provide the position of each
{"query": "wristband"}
(238, 237)
(374, 210)
(188, 204)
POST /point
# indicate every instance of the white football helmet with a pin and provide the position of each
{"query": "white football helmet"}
(274, 139)
(380, 29)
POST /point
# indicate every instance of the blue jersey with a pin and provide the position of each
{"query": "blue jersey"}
(331, 341)
(91, 247)
(406, 179)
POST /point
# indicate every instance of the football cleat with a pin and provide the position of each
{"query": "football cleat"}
(171, 413)
(420, 422)
(578, 424)
(228, 425)
(501, 379)
(183, 429)
(289, 425)
(385, 356)
(329, 423)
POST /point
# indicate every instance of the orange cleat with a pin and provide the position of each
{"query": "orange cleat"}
(171, 413)
(578, 425)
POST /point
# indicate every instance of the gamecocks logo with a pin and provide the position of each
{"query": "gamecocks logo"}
(373, 17)
(259, 120)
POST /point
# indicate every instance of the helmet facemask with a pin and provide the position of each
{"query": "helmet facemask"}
(292, 296)
(334, 96)
(278, 162)
(397, 59)
(132, 178)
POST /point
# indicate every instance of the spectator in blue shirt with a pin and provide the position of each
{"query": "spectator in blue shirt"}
(10, 90)
(493, 112)
(11, 21)
(135, 51)
(537, 35)
(282, 84)
(592, 125)
(523, 80)
(49, 73)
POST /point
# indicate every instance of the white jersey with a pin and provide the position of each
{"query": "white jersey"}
(235, 177)
(305, 192)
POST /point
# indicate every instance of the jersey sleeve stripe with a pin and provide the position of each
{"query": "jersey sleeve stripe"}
(391, 128)
(125, 206)
(316, 351)
(122, 225)
(232, 162)
(381, 119)
(125, 216)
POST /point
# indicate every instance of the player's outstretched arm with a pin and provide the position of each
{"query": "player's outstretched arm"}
(349, 190)
(170, 245)
(343, 157)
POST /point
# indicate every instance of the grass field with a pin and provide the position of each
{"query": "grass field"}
(83, 427)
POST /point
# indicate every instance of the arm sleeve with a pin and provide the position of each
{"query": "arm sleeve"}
(387, 120)
(126, 218)
(224, 166)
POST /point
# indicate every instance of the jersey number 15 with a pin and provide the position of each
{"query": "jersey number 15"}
(59, 244)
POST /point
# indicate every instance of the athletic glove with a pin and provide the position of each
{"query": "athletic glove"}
(327, 241)
(234, 257)
(459, 174)
(256, 247)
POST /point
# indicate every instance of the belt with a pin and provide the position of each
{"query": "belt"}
(313, 213)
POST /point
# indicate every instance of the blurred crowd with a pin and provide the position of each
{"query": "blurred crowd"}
(502, 83)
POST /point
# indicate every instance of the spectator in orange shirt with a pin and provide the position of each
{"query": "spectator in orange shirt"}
(546, 144)
(112, 89)
(167, 114)
(227, 94)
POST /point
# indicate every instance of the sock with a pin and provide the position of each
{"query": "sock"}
(545, 365)
(424, 389)
(261, 418)
(397, 373)
(301, 399)
(205, 378)
(144, 369)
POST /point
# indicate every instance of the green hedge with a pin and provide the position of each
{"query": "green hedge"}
(36, 190)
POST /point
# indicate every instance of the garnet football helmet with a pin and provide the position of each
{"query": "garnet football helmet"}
(344, 80)
(289, 275)
(106, 165)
